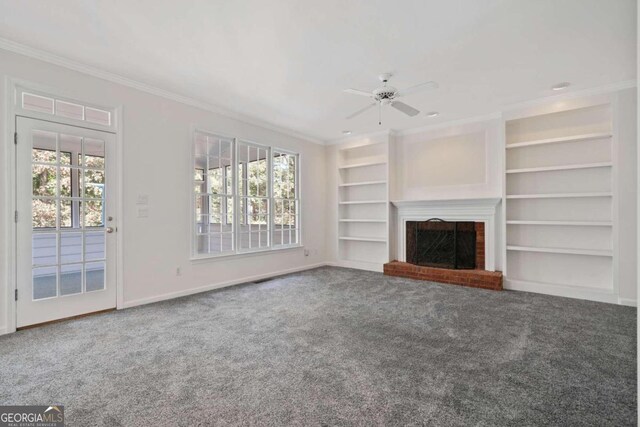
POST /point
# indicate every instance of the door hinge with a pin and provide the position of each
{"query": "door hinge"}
(15, 138)
(15, 216)
(16, 295)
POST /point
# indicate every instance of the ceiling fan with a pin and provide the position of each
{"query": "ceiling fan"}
(388, 95)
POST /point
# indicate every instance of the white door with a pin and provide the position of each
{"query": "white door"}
(66, 244)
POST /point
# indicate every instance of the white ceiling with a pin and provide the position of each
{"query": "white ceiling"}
(287, 61)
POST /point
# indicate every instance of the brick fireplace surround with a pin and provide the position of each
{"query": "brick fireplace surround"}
(479, 229)
(472, 278)
(478, 278)
(480, 211)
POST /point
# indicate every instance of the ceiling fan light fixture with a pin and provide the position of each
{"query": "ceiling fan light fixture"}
(560, 86)
(389, 95)
(432, 114)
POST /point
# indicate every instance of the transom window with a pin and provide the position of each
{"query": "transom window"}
(245, 196)
(45, 104)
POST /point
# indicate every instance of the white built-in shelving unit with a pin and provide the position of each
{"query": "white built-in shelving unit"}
(565, 223)
(363, 205)
(560, 200)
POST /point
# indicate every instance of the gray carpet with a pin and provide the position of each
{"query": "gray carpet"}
(334, 347)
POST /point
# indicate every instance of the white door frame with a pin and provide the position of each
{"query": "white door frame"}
(11, 85)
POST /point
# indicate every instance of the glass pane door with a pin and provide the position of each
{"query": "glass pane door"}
(68, 202)
(62, 184)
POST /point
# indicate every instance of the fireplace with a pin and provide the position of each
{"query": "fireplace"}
(442, 244)
(446, 241)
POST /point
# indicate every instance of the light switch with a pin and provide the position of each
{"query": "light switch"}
(143, 212)
(143, 199)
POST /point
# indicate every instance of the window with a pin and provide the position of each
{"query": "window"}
(58, 172)
(213, 191)
(68, 195)
(47, 105)
(245, 196)
(285, 199)
(254, 230)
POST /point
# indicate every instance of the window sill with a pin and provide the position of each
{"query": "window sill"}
(210, 257)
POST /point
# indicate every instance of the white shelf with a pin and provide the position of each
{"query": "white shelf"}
(563, 290)
(562, 168)
(569, 223)
(558, 195)
(568, 251)
(361, 146)
(363, 202)
(360, 264)
(554, 192)
(363, 239)
(361, 165)
(586, 137)
(363, 191)
(355, 184)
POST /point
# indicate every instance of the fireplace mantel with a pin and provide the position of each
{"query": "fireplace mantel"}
(478, 210)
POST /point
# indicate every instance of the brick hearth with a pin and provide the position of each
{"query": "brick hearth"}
(472, 278)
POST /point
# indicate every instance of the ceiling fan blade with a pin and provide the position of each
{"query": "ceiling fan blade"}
(419, 88)
(407, 109)
(351, 116)
(358, 92)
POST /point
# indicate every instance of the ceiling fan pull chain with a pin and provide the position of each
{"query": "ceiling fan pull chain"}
(380, 114)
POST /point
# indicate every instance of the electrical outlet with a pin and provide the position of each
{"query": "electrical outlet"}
(306, 252)
(178, 271)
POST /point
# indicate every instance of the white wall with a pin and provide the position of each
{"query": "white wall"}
(431, 162)
(157, 145)
(627, 214)
(459, 161)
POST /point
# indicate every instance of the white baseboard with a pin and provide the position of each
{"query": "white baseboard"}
(178, 294)
(628, 301)
(358, 265)
(4, 330)
(562, 291)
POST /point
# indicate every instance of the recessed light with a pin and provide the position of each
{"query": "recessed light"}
(561, 86)
(346, 132)
(433, 114)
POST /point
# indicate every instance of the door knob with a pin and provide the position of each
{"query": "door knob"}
(110, 230)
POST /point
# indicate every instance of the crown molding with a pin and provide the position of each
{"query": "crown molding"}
(70, 64)
(51, 58)
(594, 91)
(614, 87)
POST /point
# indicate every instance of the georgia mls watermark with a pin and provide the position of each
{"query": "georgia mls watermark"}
(32, 416)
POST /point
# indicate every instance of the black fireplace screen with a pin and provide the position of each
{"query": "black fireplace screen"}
(444, 244)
